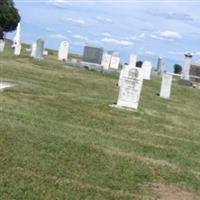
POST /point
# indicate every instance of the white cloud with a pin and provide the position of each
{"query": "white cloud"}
(56, 36)
(80, 37)
(60, 3)
(117, 42)
(106, 34)
(166, 35)
(78, 22)
(104, 19)
(148, 52)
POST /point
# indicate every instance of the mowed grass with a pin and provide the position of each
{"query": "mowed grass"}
(59, 139)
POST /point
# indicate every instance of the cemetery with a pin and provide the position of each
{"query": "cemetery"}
(92, 127)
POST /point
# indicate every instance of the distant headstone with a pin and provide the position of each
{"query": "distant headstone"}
(45, 53)
(186, 68)
(33, 50)
(63, 51)
(92, 54)
(130, 87)
(114, 63)
(17, 49)
(195, 72)
(39, 49)
(17, 41)
(2, 45)
(147, 67)
(166, 84)
(106, 59)
(132, 60)
(159, 66)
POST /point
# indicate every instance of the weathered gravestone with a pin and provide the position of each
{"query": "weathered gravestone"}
(17, 50)
(33, 50)
(147, 67)
(63, 51)
(92, 54)
(186, 68)
(106, 59)
(17, 41)
(39, 49)
(165, 91)
(115, 61)
(2, 45)
(132, 60)
(131, 81)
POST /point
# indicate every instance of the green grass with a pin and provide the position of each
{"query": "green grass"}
(59, 139)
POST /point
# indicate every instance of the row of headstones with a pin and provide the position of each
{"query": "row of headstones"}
(131, 82)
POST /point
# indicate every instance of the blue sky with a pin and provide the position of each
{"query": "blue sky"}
(147, 28)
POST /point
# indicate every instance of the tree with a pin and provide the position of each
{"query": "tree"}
(9, 17)
(177, 69)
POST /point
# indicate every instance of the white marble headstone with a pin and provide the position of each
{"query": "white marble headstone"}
(106, 59)
(130, 87)
(147, 67)
(114, 63)
(166, 84)
(33, 49)
(17, 50)
(63, 51)
(132, 60)
(39, 49)
(2, 45)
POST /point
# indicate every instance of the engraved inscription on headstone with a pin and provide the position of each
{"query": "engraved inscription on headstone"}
(165, 91)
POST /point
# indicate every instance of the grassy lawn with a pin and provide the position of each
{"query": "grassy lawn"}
(59, 139)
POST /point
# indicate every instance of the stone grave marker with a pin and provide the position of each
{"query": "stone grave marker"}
(131, 81)
(147, 67)
(39, 49)
(106, 59)
(132, 60)
(2, 45)
(63, 51)
(92, 54)
(33, 49)
(17, 49)
(165, 91)
(115, 61)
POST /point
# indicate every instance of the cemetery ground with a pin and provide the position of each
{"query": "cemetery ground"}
(59, 139)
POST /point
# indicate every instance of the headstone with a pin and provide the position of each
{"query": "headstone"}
(130, 87)
(106, 59)
(147, 67)
(166, 84)
(195, 72)
(92, 54)
(45, 53)
(132, 60)
(114, 63)
(2, 45)
(17, 38)
(17, 49)
(39, 49)
(33, 50)
(63, 51)
(186, 69)
(159, 66)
